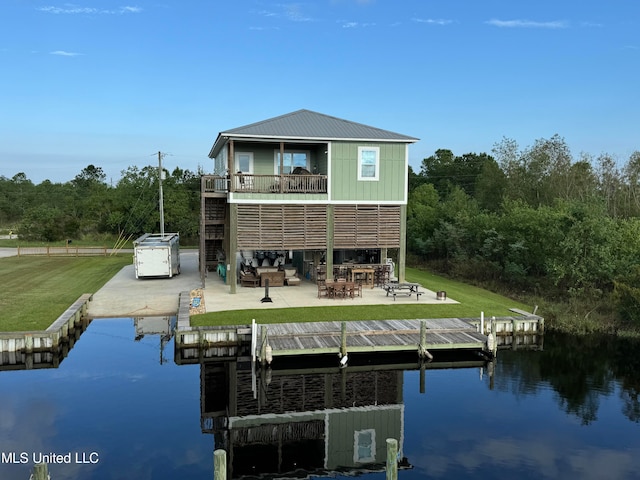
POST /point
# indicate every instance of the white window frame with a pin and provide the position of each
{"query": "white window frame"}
(361, 164)
(356, 446)
(276, 163)
(236, 165)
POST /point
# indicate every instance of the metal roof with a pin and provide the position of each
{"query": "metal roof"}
(308, 125)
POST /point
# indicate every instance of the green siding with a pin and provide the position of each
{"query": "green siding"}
(344, 173)
(387, 423)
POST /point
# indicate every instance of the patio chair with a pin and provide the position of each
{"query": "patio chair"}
(323, 291)
(291, 277)
(248, 279)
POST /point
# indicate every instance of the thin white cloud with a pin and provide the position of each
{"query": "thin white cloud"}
(433, 21)
(289, 11)
(63, 53)
(591, 25)
(356, 25)
(360, 2)
(69, 9)
(526, 24)
(293, 11)
(266, 13)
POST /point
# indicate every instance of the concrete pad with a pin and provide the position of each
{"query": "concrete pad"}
(126, 296)
(218, 299)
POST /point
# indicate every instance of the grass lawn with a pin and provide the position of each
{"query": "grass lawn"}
(473, 300)
(37, 290)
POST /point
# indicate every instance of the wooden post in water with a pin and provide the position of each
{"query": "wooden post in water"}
(40, 471)
(392, 459)
(263, 344)
(422, 348)
(495, 336)
(343, 340)
(219, 465)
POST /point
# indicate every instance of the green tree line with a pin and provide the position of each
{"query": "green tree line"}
(88, 207)
(535, 220)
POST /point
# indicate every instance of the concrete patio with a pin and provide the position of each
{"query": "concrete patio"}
(126, 296)
(217, 297)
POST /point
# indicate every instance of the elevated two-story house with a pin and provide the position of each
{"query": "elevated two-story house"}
(316, 189)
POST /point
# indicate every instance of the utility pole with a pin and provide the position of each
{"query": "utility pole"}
(161, 199)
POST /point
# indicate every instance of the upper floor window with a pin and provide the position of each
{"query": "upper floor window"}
(368, 163)
(292, 159)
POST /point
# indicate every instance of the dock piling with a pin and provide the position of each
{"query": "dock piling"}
(422, 349)
(40, 471)
(263, 344)
(392, 459)
(219, 464)
(343, 344)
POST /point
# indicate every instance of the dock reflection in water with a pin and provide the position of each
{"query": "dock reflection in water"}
(569, 411)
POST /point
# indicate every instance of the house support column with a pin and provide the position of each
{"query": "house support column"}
(232, 264)
(202, 249)
(402, 251)
(330, 230)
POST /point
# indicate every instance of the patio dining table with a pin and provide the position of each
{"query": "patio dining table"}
(340, 289)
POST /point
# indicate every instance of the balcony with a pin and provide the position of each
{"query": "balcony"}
(243, 183)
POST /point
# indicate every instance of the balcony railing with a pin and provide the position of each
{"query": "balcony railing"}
(244, 183)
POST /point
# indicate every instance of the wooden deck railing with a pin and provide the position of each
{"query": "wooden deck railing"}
(245, 183)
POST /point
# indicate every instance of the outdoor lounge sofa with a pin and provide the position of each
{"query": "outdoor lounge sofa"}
(273, 274)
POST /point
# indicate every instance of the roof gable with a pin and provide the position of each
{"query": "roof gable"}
(306, 124)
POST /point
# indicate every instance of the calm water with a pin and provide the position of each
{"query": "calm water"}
(570, 411)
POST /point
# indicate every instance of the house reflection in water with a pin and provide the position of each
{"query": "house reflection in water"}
(317, 421)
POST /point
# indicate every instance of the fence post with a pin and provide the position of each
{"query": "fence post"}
(219, 465)
(392, 459)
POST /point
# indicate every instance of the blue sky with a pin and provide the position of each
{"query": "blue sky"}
(111, 83)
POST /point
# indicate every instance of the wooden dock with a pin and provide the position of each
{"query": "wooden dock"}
(423, 336)
(315, 338)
